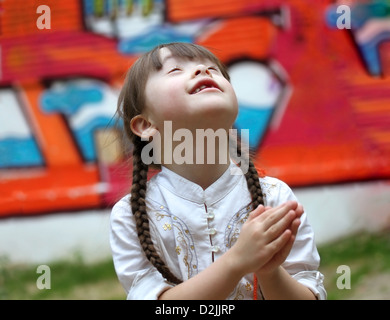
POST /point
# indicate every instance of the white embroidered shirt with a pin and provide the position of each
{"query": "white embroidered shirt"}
(192, 227)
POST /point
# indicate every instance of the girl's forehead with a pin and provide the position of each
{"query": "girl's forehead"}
(167, 56)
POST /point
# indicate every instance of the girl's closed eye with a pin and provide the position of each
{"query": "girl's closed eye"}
(213, 68)
(174, 69)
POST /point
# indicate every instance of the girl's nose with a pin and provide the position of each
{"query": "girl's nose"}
(201, 69)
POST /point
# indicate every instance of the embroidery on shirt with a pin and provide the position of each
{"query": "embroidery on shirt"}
(234, 225)
(241, 291)
(185, 247)
(267, 188)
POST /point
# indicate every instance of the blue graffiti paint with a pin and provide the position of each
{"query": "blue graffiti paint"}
(19, 152)
(254, 119)
(110, 6)
(85, 136)
(153, 37)
(88, 7)
(360, 15)
(69, 100)
(371, 55)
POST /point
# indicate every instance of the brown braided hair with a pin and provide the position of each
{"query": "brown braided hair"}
(131, 102)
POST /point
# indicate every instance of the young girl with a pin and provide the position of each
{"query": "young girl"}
(195, 230)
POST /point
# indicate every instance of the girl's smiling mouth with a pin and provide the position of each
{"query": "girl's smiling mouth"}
(204, 84)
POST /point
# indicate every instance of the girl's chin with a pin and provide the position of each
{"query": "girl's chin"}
(216, 110)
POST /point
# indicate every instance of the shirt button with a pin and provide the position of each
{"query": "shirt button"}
(210, 215)
(212, 231)
(215, 248)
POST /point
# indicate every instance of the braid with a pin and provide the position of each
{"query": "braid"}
(252, 176)
(252, 180)
(138, 207)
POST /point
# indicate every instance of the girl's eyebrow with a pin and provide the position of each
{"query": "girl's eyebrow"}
(166, 58)
(170, 56)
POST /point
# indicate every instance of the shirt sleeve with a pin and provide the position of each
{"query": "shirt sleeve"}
(303, 261)
(140, 279)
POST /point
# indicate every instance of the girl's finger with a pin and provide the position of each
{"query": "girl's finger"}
(284, 251)
(295, 225)
(255, 213)
(276, 214)
(276, 229)
(280, 242)
(299, 210)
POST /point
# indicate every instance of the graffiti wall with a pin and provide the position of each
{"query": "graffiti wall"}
(312, 79)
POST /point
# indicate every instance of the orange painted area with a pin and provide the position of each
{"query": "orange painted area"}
(46, 190)
(367, 107)
(232, 31)
(190, 10)
(64, 183)
(61, 54)
(53, 137)
(21, 17)
(301, 165)
(372, 115)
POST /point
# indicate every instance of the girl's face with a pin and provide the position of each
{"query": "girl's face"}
(193, 94)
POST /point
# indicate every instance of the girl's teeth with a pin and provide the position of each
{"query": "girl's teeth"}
(200, 88)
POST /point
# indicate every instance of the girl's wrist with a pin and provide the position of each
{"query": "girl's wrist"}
(270, 274)
(234, 265)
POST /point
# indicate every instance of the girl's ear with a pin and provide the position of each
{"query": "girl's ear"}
(142, 127)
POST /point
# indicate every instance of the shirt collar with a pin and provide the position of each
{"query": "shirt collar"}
(191, 191)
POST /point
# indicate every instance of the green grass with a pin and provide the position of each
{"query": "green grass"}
(365, 254)
(70, 280)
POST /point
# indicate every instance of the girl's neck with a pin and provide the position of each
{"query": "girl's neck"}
(203, 175)
(199, 159)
